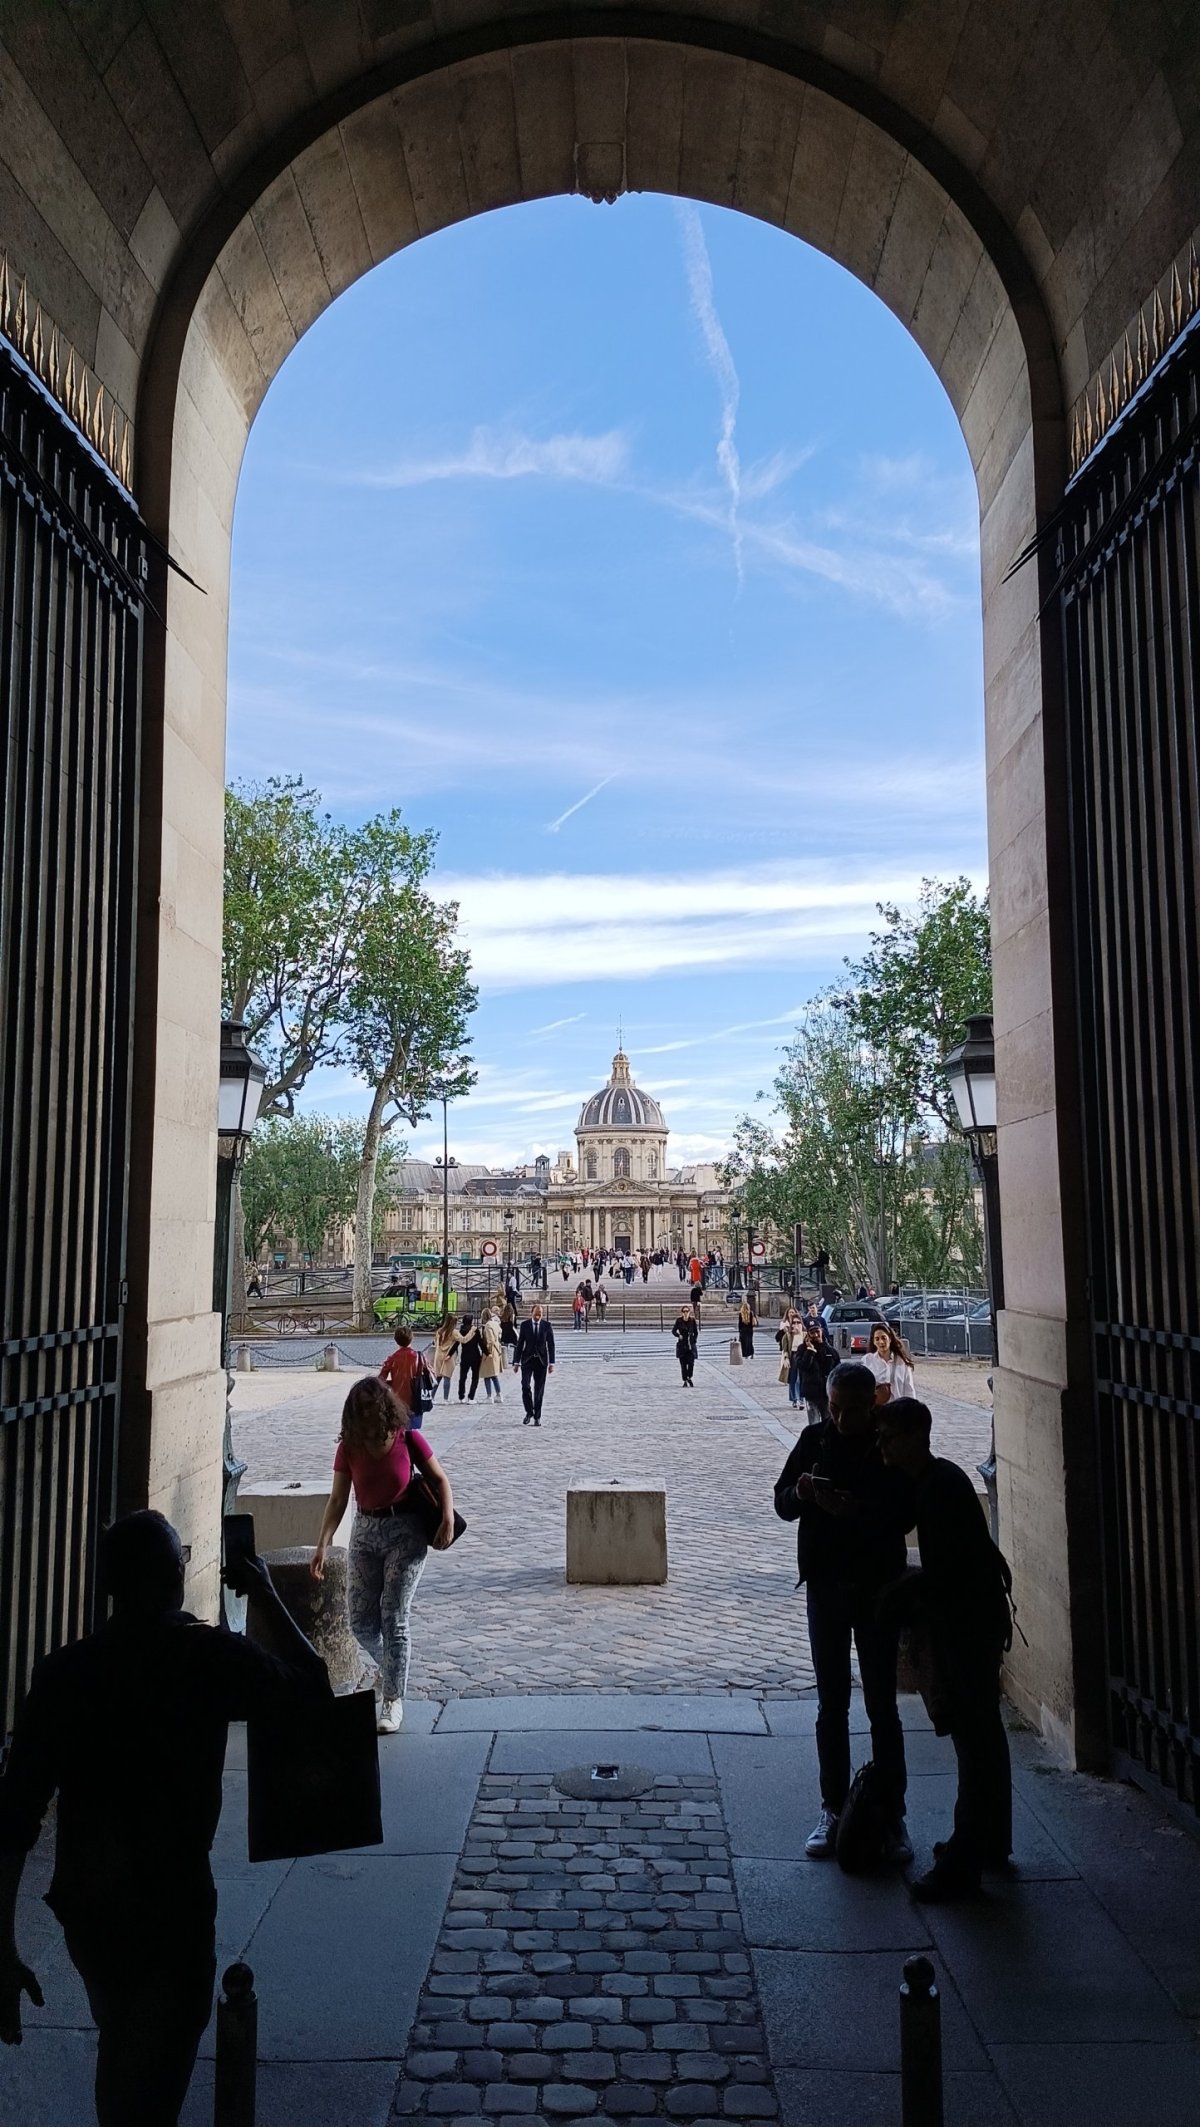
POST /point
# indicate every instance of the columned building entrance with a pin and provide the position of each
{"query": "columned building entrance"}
(1018, 184)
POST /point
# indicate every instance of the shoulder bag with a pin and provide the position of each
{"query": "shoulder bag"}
(422, 1498)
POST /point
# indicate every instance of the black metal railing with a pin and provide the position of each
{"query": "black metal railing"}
(1130, 596)
(71, 568)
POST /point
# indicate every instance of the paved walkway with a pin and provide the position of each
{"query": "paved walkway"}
(510, 1953)
(497, 1615)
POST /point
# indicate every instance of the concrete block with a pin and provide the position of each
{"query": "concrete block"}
(287, 1515)
(616, 1533)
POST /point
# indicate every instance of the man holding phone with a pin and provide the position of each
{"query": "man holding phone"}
(129, 1726)
(853, 1515)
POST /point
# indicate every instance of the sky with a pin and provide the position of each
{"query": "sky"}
(634, 549)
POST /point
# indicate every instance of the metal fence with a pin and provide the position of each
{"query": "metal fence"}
(1131, 634)
(71, 566)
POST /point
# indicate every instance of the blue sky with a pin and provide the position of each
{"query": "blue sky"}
(634, 549)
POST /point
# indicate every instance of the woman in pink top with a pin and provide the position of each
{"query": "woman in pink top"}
(387, 1540)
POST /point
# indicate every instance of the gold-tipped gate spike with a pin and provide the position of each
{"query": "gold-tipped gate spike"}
(1176, 303)
(96, 432)
(5, 294)
(37, 341)
(1101, 406)
(1143, 349)
(1127, 369)
(69, 383)
(1115, 396)
(53, 375)
(125, 469)
(1089, 429)
(21, 321)
(1193, 281)
(1158, 334)
(83, 418)
(1076, 444)
(110, 448)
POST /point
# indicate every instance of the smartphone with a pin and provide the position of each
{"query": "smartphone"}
(822, 1483)
(237, 1532)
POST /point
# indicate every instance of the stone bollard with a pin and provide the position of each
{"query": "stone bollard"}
(920, 2046)
(241, 1364)
(319, 1608)
(235, 2081)
(735, 1352)
(333, 1359)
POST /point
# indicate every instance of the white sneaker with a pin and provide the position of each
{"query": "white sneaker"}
(822, 1839)
(391, 1713)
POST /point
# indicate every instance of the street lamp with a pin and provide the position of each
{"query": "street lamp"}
(510, 1220)
(971, 1072)
(735, 1227)
(239, 1092)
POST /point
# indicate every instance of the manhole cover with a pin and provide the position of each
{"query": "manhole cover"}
(604, 1781)
(723, 1416)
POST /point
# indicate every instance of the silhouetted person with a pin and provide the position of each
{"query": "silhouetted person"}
(959, 1599)
(128, 1726)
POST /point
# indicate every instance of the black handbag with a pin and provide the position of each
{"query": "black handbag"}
(424, 1390)
(862, 1825)
(423, 1500)
(312, 1784)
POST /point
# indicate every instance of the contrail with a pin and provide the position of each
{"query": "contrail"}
(700, 288)
(579, 804)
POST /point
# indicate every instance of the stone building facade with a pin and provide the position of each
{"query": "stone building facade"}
(617, 1191)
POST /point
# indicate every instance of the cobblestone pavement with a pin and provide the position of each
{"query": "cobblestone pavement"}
(497, 1616)
(591, 1965)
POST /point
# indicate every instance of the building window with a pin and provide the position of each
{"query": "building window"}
(621, 1164)
(408, 1217)
(652, 1166)
(591, 1166)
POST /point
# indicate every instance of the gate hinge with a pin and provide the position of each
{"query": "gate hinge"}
(124, 1292)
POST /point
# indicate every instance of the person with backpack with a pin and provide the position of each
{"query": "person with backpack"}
(853, 1516)
(960, 1601)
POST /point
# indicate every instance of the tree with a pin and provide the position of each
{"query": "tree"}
(406, 1009)
(292, 899)
(299, 1180)
(920, 981)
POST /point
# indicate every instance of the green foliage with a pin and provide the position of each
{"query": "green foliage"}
(920, 981)
(300, 1181)
(865, 1153)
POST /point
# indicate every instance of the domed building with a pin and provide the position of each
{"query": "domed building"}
(619, 1191)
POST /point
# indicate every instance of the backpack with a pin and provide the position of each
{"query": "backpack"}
(862, 1825)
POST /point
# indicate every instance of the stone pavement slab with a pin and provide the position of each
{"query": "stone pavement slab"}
(1098, 2085)
(550, 1750)
(840, 2011)
(804, 1905)
(428, 1786)
(708, 1714)
(816, 2097)
(305, 2094)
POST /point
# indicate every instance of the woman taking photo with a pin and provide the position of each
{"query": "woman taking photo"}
(442, 1361)
(747, 1323)
(790, 1339)
(387, 1539)
(891, 1362)
(686, 1332)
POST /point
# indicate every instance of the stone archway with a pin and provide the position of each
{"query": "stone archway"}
(608, 115)
(183, 192)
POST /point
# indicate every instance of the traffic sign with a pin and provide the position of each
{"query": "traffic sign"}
(758, 1250)
(487, 1248)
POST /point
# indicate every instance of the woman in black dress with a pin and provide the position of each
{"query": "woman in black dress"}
(686, 1332)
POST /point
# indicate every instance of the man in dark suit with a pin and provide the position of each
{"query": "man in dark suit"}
(535, 1357)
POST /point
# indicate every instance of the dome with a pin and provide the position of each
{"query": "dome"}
(620, 1105)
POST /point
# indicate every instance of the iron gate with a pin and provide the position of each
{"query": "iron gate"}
(1130, 597)
(71, 567)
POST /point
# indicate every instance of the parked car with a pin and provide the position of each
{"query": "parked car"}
(850, 1323)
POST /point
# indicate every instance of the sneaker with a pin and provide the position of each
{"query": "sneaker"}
(897, 1846)
(822, 1839)
(391, 1713)
(527, 1421)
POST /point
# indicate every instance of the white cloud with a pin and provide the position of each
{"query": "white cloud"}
(495, 454)
(530, 931)
(721, 362)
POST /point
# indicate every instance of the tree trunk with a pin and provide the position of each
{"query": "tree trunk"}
(364, 1215)
(237, 1251)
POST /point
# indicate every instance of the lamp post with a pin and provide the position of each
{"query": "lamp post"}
(510, 1219)
(971, 1072)
(735, 1228)
(242, 1078)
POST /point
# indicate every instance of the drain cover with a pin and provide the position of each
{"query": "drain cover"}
(603, 1782)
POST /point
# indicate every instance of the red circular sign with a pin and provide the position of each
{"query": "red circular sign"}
(488, 1248)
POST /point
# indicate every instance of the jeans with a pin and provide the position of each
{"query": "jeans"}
(387, 1559)
(150, 1992)
(838, 1612)
(446, 1380)
(983, 1808)
(491, 1386)
(795, 1393)
(686, 1355)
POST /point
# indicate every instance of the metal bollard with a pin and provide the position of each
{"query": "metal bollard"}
(234, 2095)
(920, 2046)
